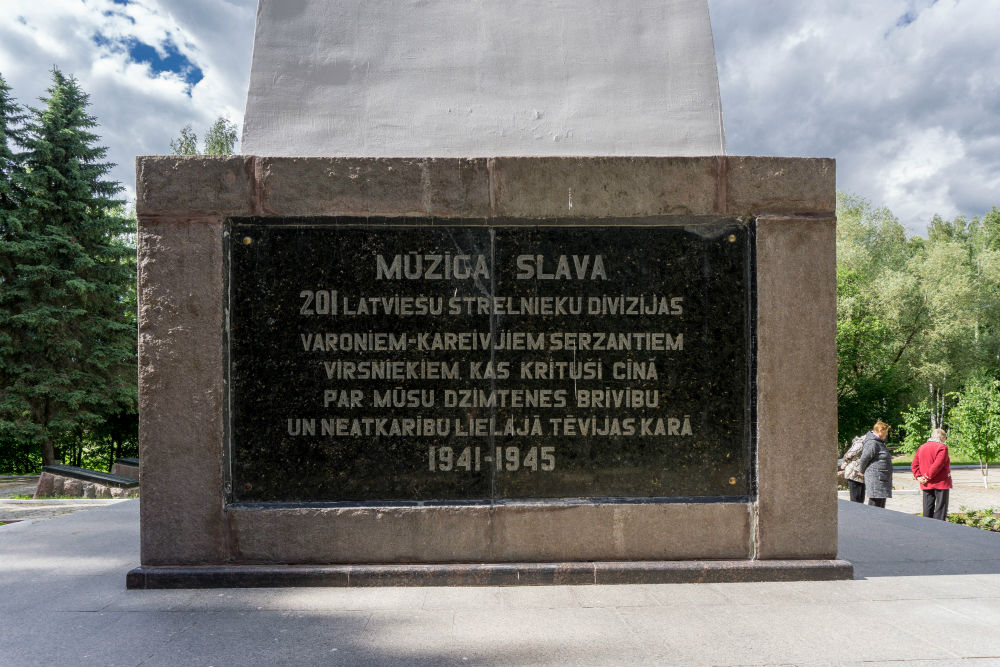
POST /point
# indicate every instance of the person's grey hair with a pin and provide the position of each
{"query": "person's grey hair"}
(939, 435)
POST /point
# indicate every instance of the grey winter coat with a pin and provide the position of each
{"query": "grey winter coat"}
(876, 464)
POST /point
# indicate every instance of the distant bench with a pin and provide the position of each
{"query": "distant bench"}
(60, 480)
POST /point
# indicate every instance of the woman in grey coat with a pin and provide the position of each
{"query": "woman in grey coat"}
(876, 465)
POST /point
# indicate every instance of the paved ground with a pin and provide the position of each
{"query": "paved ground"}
(17, 485)
(927, 594)
(968, 491)
(22, 510)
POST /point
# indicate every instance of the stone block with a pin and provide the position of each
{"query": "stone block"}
(45, 485)
(599, 187)
(126, 469)
(361, 534)
(197, 185)
(181, 389)
(78, 482)
(444, 188)
(794, 186)
(797, 388)
(668, 531)
(507, 533)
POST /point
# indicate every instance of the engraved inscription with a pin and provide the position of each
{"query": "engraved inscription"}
(432, 363)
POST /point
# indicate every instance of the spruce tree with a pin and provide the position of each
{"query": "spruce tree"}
(12, 456)
(11, 119)
(71, 355)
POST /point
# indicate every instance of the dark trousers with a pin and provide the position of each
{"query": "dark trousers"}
(857, 491)
(936, 503)
(876, 502)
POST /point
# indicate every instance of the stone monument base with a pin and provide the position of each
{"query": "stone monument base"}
(490, 574)
(245, 484)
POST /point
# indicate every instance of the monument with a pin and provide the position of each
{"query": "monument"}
(485, 302)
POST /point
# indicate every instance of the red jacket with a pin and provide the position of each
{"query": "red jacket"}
(932, 461)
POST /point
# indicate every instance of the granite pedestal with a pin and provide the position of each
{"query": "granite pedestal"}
(370, 371)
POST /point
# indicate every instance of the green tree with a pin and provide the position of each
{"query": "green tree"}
(987, 232)
(117, 435)
(12, 456)
(11, 119)
(958, 270)
(221, 137)
(914, 426)
(69, 357)
(186, 143)
(975, 422)
(916, 318)
(879, 316)
(219, 140)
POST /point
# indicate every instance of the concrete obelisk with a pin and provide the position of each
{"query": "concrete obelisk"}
(485, 302)
(440, 78)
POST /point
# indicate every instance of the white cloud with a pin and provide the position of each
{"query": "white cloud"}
(905, 94)
(140, 110)
(916, 164)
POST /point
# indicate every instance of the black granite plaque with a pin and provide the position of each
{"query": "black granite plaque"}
(403, 361)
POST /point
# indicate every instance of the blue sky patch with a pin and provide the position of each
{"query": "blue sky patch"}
(172, 61)
(110, 12)
(906, 19)
(911, 15)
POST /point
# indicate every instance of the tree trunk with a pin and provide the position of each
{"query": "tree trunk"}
(932, 402)
(39, 415)
(48, 452)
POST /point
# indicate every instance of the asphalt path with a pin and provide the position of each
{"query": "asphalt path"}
(926, 594)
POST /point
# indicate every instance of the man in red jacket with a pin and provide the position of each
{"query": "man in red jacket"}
(932, 468)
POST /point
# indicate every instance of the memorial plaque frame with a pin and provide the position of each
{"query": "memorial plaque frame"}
(193, 535)
(675, 256)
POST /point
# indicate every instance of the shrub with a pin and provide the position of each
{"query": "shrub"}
(988, 519)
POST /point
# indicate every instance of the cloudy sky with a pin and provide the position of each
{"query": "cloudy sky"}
(905, 94)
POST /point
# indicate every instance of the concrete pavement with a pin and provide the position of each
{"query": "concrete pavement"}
(926, 593)
(12, 485)
(968, 491)
(21, 510)
(17, 509)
